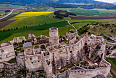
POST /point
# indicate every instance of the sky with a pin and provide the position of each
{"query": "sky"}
(109, 1)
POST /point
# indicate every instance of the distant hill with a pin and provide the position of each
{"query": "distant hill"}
(54, 1)
(99, 6)
(58, 5)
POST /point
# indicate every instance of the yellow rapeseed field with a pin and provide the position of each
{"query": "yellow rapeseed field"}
(30, 14)
(21, 22)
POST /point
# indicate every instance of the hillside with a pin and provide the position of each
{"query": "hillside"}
(59, 5)
(100, 6)
(54, 1)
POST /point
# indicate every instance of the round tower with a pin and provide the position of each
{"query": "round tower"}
(53, 36)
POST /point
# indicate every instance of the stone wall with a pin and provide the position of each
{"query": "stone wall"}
(85, 73)
(89, 73)
(7, 53)
(20, 59)
(18, 39)
(33, 61)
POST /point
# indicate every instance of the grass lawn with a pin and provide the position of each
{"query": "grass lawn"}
(37, 30)
(112, 61)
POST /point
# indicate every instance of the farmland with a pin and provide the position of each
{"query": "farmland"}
(28, 21)
(90, 18)
(31, 19)
(4, 7)
(6, 23)
(90, 12)
(37, 30)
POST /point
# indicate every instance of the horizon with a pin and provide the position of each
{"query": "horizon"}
(108, 1)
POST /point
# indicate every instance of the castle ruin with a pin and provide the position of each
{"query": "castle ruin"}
(75, 58)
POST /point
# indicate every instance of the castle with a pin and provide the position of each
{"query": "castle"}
(63, 57)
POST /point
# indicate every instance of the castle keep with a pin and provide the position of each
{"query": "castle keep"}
(63, 57)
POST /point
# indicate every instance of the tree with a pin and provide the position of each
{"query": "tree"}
(7, 10)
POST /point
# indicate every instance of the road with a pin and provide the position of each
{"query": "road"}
(72, 26)
(8, 14)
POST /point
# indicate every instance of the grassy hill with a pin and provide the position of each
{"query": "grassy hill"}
(106, 28)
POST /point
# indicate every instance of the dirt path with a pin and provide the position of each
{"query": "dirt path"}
(72, 26)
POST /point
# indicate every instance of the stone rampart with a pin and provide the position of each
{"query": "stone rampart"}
(7, 53)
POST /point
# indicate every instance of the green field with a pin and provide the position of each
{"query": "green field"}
(37, 30)
(16, 12)
(32, 21)
(43, 22)
(112, 61)
(90, 12)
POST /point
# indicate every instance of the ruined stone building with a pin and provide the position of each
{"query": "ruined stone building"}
(6, 52)
(56, 56)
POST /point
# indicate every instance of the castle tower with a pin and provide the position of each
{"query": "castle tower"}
(53, 36)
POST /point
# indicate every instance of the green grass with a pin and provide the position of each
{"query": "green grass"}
(32, 21)
(37, 30)
(112, 61)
